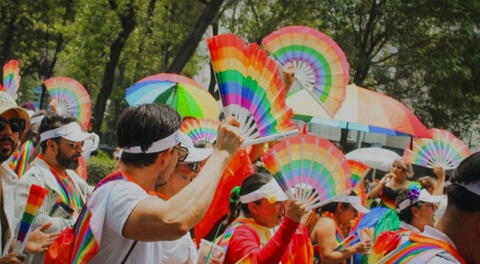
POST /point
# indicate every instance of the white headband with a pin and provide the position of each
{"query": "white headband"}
(424, 196)
(63, 131)
(473, 187)
(157, 146)
(36, 119)
(271, 190)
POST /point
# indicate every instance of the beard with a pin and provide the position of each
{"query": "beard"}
(6, 152)
(67, 162)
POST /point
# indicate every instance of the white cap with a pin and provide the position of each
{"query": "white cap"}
(473, 187)
(194, 154)
(424, 196)
(7, 103)
(353, 200)
(271, 191)
(71, 131)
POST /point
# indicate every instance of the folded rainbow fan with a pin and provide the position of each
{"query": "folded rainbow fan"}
(251, 89)
(34, 202)
(11, 78)
(200, 129)
(309, 168)
(443, 149)
(359, 171)
(321, 67)
(70, 97)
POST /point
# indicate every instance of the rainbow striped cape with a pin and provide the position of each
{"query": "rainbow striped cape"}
(419, 244)
(89, 226)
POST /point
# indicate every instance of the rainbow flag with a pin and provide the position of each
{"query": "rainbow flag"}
(34, 202)
(87, 233)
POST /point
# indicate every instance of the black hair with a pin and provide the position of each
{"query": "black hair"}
(51, 121)
(249, 185)
(143, 125)
(467, 172)
(406, 214)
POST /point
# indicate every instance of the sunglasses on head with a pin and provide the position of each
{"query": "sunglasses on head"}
(16, 124)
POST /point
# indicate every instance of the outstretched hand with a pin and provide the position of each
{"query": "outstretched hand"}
(39, 241)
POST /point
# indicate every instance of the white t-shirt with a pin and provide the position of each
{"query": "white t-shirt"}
(124, 196)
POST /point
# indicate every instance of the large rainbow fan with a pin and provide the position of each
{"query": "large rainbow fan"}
(321, 67)
(11, 78)
(200, 129)
(312, 166)
(251, 89)
(443, 149)
(70, 97)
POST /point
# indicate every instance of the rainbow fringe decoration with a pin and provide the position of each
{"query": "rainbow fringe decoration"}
(21, 156)
(200, 129)
(11, 78)
(444, 150)
(71, 98)
(309, 166)
(34, 202)
(251, 89)
(321, 66)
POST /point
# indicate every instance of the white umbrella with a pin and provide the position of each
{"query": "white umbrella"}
(376, 158)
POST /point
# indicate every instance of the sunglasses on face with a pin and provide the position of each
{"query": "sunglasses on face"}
(16, 124)
(182, 153)
(73, 145)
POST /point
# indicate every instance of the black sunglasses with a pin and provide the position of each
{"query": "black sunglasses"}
(16, 124)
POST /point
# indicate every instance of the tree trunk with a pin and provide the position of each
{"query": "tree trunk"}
(190, 44)
(9, 35)
(128, 22)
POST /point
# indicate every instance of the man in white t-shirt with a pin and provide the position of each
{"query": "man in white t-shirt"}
(133, 218)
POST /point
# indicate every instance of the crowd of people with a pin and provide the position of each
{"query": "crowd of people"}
(145, 210)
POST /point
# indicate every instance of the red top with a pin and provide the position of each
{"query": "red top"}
(246, 240)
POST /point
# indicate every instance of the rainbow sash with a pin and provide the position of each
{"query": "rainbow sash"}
(417, 245)
(85, 246)
(21, 157)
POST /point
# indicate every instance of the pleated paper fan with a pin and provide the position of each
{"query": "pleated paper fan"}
(71, 98)
(310, 164)
(251, 89)
(359, 171)
(200, 129)
(443, 149)
(321, 66)
(11, 78)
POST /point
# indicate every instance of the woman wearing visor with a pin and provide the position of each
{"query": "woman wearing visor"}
(259, 205)
(416, 208)
(333, 227)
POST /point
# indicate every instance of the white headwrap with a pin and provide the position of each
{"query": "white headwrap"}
(157, 146)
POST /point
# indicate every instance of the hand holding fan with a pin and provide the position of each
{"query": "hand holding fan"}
(34, 202)
(11, 78)
(251, 89)
(321, 67)
(70, 98)
(200, 129)
(443, 150)
(309, 168)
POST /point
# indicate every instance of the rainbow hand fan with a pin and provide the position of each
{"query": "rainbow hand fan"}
(34, 202)
(11, 78)
(200, 129)
(251, 89)
(321, 67)
(309, 168)
(359, 171)
(443, 149)
(71, 97)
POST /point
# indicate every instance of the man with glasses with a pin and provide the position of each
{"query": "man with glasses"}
(13, 121)
(61, 139)
(182, 250)
(127, 222)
